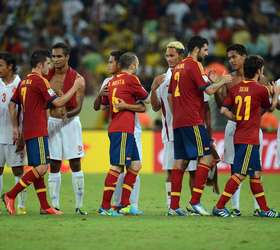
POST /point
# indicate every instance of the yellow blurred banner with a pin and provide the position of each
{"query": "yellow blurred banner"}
(96, 145)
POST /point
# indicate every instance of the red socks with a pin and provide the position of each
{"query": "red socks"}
(109, 188)
(128, 184)
(41, 190)
(23, 183)
(176, 187)
(199, 182)
(230, 189)
(258, 192)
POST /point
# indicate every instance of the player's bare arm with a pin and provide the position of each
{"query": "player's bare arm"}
(14, 121)
(214, 87)
(79, 98)
(97, 102)
(155, 102)
(122, 105)
(227, 113)
(62, 100)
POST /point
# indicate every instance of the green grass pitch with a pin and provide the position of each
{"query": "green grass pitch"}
(153, 230)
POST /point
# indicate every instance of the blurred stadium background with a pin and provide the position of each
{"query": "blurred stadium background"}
(94, 28)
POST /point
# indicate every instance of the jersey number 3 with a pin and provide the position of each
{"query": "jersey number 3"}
(240, 103)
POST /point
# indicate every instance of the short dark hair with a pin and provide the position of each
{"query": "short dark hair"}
(9, 59)
(196, 41)
(126, 60)
(117, 54)
(251, 65)
(39, 56)
(63, 46)
(239, 48)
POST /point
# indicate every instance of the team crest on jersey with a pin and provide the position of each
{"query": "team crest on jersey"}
(51, 92)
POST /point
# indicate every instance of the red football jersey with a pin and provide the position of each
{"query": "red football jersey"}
(128, 88)
(246, 101)
(35, 95)
(186, 86)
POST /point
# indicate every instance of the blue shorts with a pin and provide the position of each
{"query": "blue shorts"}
(123, 149)
(38, 151)
(191, 142)
(246, 159)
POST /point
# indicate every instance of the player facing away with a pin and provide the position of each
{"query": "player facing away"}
(159, 100)
(191, 140)
(123, 149)
(244, 104)
(10, 153)
(236, 54)
(113, 69)
(35, 96)
(65, 130)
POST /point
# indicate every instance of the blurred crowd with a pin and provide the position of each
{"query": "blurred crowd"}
(93, 28)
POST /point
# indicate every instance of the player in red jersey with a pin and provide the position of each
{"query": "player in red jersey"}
(35, 96)
(244, 105)
(65, 130)
(123, 149)
(191, 140)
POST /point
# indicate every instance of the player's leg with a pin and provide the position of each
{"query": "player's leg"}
(38, 156)
(16, 161)
(1, 179)
(117, 147)
(2, 164)
(199, 147)
(130, 156)
(243, 154)
(177, 172)
(18, 172)
(54, 183)
(73, 151)
(134, 197)
(78, 183)
(55, 145)
(167, 165)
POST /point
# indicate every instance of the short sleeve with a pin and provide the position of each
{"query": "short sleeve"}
(47, 93)
(16, 96)
(137, 89)
(196, 71)
(105, 101)
(265, 98)
(206, 97)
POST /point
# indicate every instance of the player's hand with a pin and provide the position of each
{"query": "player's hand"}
(226, 79)
(213, 76)
(20, 143)
(121, 105)
(104, 91)
(16, 135)
(157, 82)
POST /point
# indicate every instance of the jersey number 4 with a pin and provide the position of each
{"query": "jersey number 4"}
(240, 102)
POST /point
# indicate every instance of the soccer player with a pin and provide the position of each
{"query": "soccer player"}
(123, 149)
(35, 96)
(191, 140)
(113, 69)
(9, 153)
(65, 131)
(236, 56)
(243, 105)
(159, 100)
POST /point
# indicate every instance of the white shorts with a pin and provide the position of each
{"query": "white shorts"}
(137, 137)
(8, 155)
(168, 155)
(65, 138)
(229, 144)
(192, 165)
